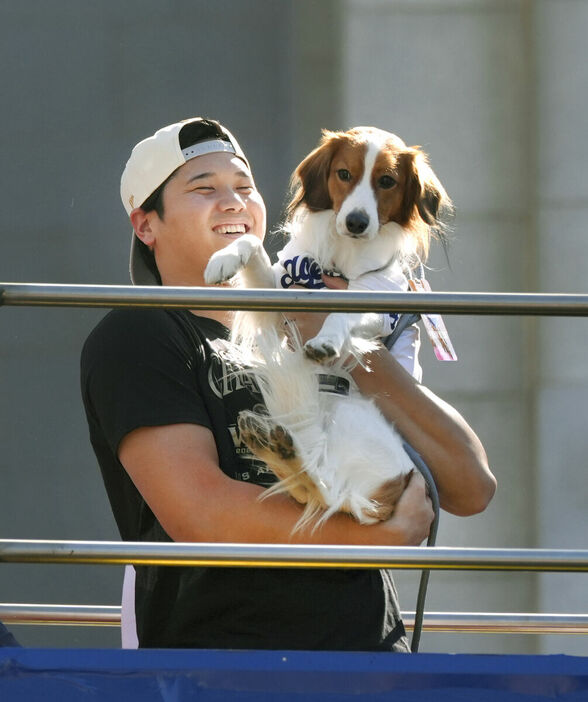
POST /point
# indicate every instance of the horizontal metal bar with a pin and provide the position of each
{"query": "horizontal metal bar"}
(293, 556)
(501, 623)
(475, 622)
(61, 614)
(295, 299)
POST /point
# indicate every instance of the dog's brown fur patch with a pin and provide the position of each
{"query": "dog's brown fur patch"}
(386, 497)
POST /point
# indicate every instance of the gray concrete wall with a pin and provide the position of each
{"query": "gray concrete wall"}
(562, 264)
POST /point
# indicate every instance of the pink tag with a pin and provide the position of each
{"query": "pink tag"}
(434, 326)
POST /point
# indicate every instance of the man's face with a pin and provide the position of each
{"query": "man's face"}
(210, 201)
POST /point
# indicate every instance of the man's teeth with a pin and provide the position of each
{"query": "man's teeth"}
(231, 229)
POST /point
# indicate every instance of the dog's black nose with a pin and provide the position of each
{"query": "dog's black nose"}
(357, 222)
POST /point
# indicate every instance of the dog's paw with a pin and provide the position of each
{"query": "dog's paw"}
(226, 263)
(257, 432)
(223, 265)
(322, 349)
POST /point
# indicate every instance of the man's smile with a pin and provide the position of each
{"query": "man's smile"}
(230, 229)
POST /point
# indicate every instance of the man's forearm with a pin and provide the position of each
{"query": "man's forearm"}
(436, 430)
(248, 519)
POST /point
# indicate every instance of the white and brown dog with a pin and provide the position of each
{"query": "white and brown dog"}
(364, 206)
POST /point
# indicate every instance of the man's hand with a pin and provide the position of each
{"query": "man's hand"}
(414, 513)
(335, 282)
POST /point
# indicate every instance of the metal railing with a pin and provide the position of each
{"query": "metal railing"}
(454, 622)
(292, 556)
(36, 294)
(301, 556)
(273, 555)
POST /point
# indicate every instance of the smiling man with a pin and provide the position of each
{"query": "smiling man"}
(162, 402)
(208, 202)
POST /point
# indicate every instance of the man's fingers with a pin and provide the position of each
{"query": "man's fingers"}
(335, 282)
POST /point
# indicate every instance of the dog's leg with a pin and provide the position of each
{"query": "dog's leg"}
(336, 333)
(246, 256)
(273, 444)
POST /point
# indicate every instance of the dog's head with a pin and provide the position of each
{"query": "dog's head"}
(370, 177)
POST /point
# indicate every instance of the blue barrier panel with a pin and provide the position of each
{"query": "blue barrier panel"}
(32, 675)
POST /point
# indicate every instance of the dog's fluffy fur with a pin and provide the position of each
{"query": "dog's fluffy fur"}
(364, 204)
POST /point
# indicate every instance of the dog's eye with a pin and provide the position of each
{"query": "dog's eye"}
(344, 175)
(386, 182)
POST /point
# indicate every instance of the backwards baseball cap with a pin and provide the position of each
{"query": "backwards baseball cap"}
(153, 161)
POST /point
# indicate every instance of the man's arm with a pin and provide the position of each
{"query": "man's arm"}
(436, 430)
(176, 469)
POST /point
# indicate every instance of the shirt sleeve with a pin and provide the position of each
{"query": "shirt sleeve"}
(138, 369)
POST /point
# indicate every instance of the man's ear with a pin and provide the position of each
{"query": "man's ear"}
(141, 222)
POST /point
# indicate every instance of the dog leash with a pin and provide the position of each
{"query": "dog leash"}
(406, 320)
(424, 581)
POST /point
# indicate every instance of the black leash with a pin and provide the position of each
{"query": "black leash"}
(406, 320)
(424, 581)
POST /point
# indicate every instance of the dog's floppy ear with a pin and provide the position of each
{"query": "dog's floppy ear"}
(424, 191)
(309, 183)
(433, 200)
(425, 200)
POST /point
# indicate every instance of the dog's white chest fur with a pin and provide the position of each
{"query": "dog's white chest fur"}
(315, 234)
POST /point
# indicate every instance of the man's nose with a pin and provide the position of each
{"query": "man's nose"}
(231, 200)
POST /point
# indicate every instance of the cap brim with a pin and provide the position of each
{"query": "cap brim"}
(140, 272)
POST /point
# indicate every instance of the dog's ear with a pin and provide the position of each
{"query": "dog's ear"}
(309, 183)
(425, 200)
(433, 200)
(424, 195)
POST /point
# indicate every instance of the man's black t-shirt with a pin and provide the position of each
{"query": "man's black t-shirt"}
(156, 367)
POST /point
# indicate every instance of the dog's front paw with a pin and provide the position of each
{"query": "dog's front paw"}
(322, 349)
(223, 265)
(227, 262)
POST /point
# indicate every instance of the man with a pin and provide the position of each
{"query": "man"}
(162, 403)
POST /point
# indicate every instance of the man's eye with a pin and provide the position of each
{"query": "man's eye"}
(386, 182)
(344, 175)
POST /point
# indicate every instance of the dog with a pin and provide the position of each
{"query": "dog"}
(364, 206)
